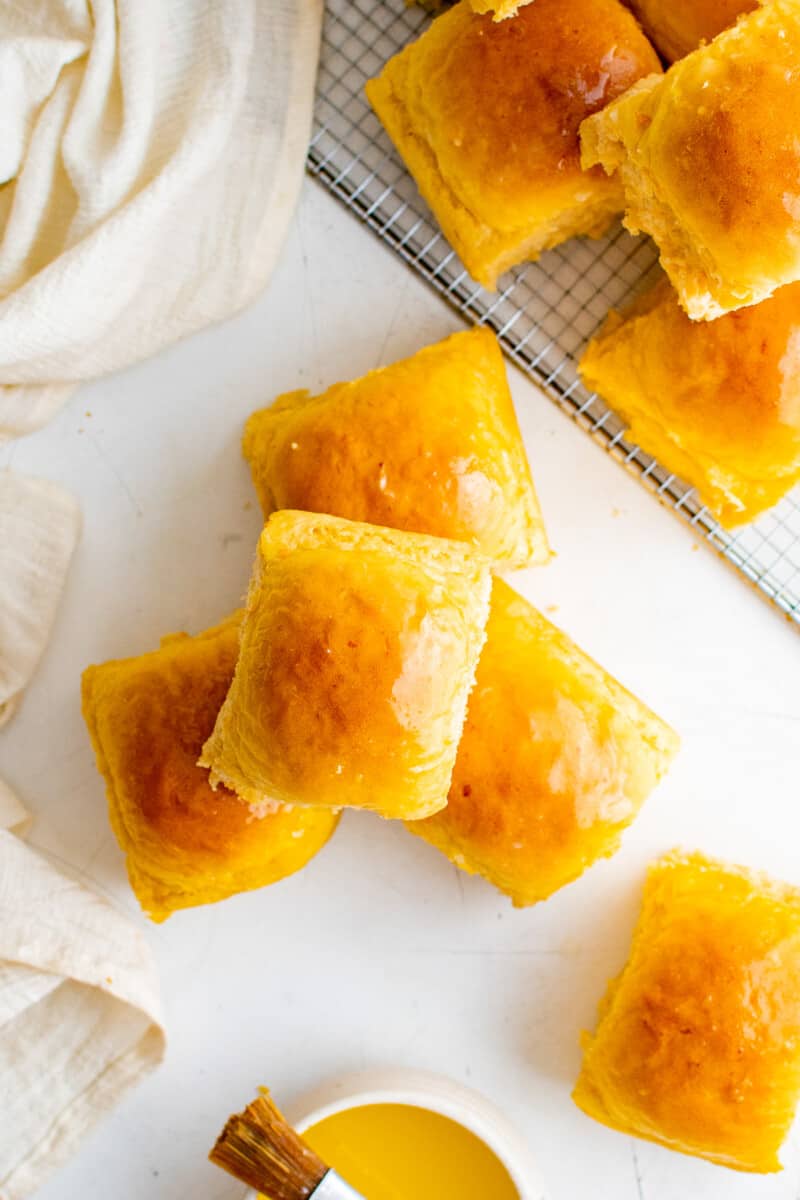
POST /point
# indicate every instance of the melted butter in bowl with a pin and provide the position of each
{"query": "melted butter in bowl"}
(406, 1152)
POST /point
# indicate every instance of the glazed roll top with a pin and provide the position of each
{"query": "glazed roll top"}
(698, 1041)
(185, 844)
(486, 115)
(429, 444)
(358, 652)
(710, 162)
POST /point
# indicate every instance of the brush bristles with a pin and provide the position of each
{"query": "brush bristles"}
(259, 1147)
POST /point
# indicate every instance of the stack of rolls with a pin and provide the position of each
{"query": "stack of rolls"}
(704, 369)
(379, 663)
(697, 1045)
(525, 124)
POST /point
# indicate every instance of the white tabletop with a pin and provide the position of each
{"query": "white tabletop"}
(380, 952)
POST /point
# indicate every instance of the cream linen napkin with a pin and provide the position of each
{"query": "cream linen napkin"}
(80, 1016)
(152, 152)
(39, 527)
(12, 814)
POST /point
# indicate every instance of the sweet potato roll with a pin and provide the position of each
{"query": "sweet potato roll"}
(358, 651)
(185, 844)
(709, 158)
(676, 27)
(429, 444)
(716, 402)
(555, 762)
(486, 116)
(698, 1041)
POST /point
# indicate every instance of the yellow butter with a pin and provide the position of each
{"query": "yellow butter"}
(401, 1152)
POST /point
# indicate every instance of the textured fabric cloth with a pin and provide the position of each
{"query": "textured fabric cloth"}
(151, 152)
(13, 815)
(39, 528)
(80, 1016)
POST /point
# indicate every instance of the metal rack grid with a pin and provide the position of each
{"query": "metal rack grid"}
(545, 311)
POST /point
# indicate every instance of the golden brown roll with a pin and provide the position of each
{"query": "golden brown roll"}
(429, 444)
(710, 162)
(486, 116)
(185, 844)
(555, 761)
(698, 1041)
(716, 402)
(675, 27)
(358, 652)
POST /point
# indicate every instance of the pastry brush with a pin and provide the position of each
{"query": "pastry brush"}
(261, 1149)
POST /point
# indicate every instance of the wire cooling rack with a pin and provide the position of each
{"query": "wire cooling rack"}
(545, 311)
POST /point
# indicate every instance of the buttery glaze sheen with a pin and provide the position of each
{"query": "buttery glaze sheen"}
(486, 115)
(402, 1152)
(675, 27)
(716, 402)
(185, 844)
(698, 1042)
(555, 761)
(358, 651)
(710, 162)
(429, 444)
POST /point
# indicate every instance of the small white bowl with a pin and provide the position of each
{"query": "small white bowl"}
(422, 1089)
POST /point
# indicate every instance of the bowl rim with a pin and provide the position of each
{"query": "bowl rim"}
(425, 1089)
